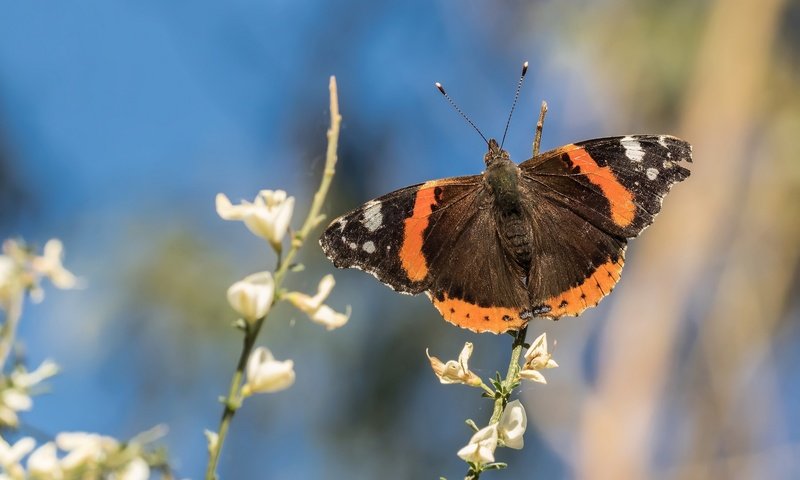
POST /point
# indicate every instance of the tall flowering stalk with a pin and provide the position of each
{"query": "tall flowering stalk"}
(269, 217)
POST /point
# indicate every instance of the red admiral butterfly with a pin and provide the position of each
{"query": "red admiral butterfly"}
(543, 238)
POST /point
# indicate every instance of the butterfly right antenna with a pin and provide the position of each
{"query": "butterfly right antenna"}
(441, 89)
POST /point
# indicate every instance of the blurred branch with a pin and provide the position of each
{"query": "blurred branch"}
(638, 347)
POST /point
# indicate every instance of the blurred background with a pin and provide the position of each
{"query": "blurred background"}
(120, 121)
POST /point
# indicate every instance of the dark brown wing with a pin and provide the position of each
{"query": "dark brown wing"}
(439, 237)
(586, 200)
(617, 183)
(384, 236)
(475, 283)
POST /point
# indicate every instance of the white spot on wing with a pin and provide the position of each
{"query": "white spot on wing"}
(662, 141)
(368, 246)
(651, 173)
(353, 245)
(372, 218)
(633, 149)
(341, 223)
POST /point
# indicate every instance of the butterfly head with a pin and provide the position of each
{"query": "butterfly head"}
(495, 154)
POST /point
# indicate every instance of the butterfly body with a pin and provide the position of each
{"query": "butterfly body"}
(542, 238)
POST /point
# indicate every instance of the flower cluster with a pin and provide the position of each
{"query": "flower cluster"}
(507, 432)
(508, 424)
(268, 217)
(15, 394)
(21, 270)
(79, 455)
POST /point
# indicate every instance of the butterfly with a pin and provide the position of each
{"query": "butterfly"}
(543, 238)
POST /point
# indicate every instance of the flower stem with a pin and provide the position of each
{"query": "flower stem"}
(502, 394)
(314, 218)
(8, 331)
(233, 400)
(511, 375)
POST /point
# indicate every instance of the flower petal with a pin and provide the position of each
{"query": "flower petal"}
(265, 374)
(481, 446)
(252, 297)
(512, 425)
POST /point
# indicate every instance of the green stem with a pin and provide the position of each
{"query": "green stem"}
(233, 400)
(511, 375)
(501, 396)
(8, 332)
(314, 218)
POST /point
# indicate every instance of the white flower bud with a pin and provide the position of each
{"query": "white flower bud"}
(512, 425)
(481, 446)
(456, 371)
(252, 297)
(267, 217)
(537, 358)
(49, 265)
(313, 307)
(265, 374)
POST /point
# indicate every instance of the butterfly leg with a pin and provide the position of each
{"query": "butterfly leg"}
(539, 126)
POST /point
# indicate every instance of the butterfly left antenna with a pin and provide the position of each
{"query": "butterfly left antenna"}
(516, 97)
(441, 89)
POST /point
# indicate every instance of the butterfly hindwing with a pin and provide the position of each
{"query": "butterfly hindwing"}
(475, 283)
(575, 265)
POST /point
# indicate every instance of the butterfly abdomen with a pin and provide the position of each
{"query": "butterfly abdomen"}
(502, 181)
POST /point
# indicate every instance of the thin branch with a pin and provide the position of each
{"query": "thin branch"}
(537, 138)
(233, 400)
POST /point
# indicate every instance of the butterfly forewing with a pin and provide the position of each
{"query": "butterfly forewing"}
(617, 183)
(384, 236)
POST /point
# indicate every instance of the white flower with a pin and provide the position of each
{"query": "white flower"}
(456, 371)
(310, 304)
(49, 265)
(512, 425)
(43, 463)
(26, 380)
(265, 374)
(13, 400)
(84, 448)
(212, 438)
(481, 446)
(537, 358)
(11, 455)
(314, 308)
(329, 317)
(252, 297)
(136, 469)
(267, 217)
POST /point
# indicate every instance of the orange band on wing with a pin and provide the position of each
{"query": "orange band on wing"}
(411, 256)
(623, 211)
(479, 319)
(587, 294)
